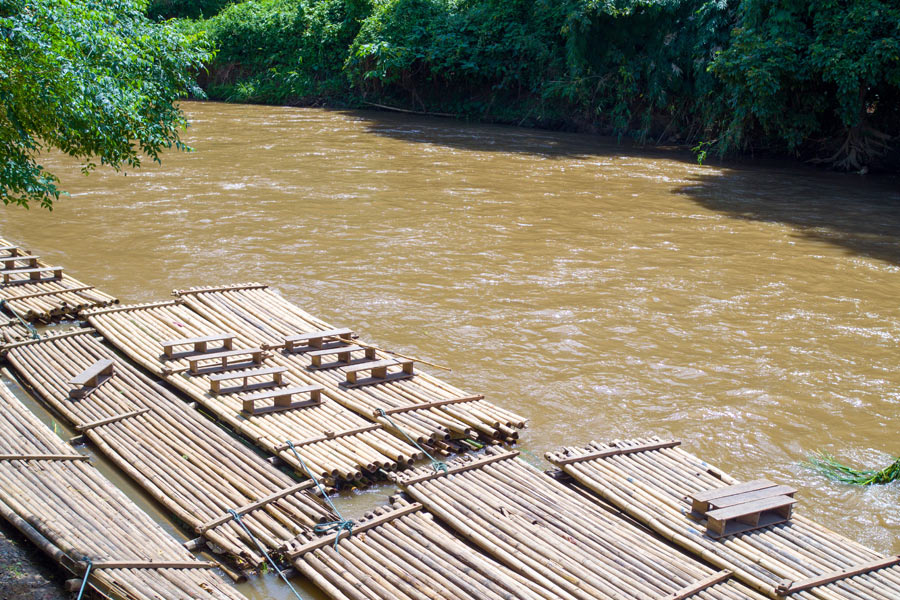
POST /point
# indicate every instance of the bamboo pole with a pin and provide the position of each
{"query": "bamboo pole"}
(70, 511)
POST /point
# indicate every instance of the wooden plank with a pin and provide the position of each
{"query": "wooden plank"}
(200, 344)
(745, 497)
(282, 399)
(561, 460)
(161, 564)
(729, 490)
(750, 508)
(699, 586)
(435, 404)
(92, 373)
(406, 480)
(359, 527)
(326, 437)
(201, 529)
(49, 457)
(246, 373)
(112, 419)
(33, 274)
(226, 288)
(193, 361)
(787, 586)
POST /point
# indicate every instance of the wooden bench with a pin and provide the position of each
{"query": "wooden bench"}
(13, 250)
(216, 379)
(9, 262)
(90, 379)
(343, 353)
(200, 344)
(255, 355)
(313, 339)
(743, 507)
(33, 274)
(379, 370)
(282, 399)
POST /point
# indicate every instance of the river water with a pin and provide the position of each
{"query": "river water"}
(601, 290)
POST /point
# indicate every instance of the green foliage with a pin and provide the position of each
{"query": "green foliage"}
(829, 466)
(191, 9)
(282, 50)
(795, 72)
(93, 78)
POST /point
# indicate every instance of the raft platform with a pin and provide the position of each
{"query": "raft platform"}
(61, 503)
(356, 375)
(193, 468)
(333, 442)
(681, 498)
(36, 290)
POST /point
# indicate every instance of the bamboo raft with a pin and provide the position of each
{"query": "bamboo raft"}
(48, 297)
(567, 546)
(653, 482)
(426, 408)
(61, 503)
(12, 331)
(194, 469)
(400, 552)
(334, 443)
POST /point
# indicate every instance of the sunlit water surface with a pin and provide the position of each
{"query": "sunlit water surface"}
(602, 291)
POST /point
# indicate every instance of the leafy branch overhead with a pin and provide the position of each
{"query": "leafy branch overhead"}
(93, 78)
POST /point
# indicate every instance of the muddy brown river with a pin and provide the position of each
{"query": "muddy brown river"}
(603, 291)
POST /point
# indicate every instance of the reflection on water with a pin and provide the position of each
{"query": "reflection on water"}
(604, 292)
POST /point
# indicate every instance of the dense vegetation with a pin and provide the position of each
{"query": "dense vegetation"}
(93, 78)
(817, 79)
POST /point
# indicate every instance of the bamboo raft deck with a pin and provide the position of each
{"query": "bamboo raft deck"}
(60, 502)
(564, 544)
(49, 297)
(190, 466)
(652, 481)
(12, 331)
(399, 552)
(334, 442)
(428, 409)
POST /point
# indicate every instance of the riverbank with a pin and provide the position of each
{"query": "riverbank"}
(739, 79)
(25, 573)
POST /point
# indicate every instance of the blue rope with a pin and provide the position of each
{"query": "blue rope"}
(29, 326)
(338, 526)
(84, 581)
(437, 465)
(237, 518)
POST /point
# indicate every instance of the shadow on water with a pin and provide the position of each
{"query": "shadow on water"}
(465, 135)
(861, 215)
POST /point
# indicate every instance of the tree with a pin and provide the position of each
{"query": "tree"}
(93, 78)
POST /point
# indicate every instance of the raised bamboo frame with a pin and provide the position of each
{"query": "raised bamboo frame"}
(71, 512)
(328, 450)
(653, 486)
(194, 469)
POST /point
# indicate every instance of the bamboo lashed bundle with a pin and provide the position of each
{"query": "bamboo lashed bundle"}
(49, 298)
(65, 507)
(11, 331)
(425, 407)
(400, 552)
(333, 442)
(798, 559)
(555, 537)
(194, 469)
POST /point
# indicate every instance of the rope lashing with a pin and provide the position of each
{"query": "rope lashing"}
(87, 573)
(338, 526)
(437, 465)
(259, 546)
(28, 326)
